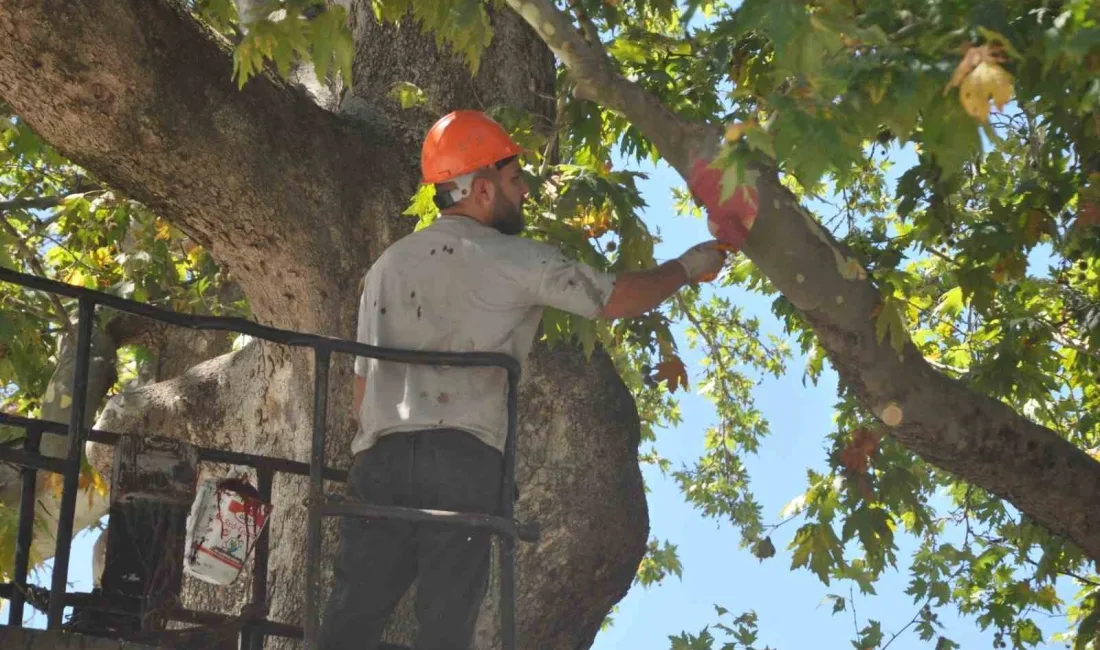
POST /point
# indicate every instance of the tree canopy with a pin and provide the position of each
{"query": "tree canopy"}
(985, 257)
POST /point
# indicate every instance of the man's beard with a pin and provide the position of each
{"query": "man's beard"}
(507, 218)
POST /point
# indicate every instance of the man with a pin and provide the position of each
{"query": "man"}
(433, 437)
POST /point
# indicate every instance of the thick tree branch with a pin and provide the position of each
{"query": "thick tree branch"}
(596, 80)
(142, 94)
(973, 436)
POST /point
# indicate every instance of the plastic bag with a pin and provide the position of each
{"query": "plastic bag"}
(225, 521)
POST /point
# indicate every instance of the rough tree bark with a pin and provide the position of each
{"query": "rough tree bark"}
(295, 202)
(957, 429)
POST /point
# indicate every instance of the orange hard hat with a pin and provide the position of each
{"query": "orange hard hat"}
(463, 142)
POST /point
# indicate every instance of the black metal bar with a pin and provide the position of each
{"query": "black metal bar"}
(507, 507)
(268, 463)
(26, 527)
(205, 454)
(505, 527)
(254, 636)
(270, 628)
(77, 436)
(55, 427)
(84, 600)
(240, 325)
(316, 494)
(114, 604)
(32, 460)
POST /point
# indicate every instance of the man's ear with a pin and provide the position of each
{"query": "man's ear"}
(484, 189)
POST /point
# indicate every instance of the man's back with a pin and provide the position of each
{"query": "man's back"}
(458, 286)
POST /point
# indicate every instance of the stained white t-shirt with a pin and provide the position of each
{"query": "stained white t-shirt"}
(459, 286)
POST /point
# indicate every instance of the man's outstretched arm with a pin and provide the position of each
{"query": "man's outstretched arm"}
(637, 292)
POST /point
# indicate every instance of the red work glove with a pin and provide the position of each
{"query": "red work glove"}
(730, 221)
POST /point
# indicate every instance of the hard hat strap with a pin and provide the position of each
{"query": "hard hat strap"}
(445, 199)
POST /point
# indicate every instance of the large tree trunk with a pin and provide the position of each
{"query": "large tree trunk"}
(295, 202)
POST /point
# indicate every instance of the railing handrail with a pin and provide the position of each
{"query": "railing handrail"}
(266, 332)
(206, 454)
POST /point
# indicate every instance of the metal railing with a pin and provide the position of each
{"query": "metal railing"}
(503, 525)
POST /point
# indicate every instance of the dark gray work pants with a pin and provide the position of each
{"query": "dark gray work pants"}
(442, 469)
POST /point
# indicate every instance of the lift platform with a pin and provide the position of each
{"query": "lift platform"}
(138, 604)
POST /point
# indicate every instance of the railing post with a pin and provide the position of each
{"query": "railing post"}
(253, 634)
(23, 537)
(507, 507)
(77, 435)
(316, 496)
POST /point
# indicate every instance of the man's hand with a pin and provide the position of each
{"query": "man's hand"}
(702, 262)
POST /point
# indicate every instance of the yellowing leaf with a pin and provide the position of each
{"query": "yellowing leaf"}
(593, 221)
(92, 480)
(988, 81)
(673, 371)
(980, 78)
(54, 483)
(735, 130)
(860, 450)
(163, 230)
(857, 454)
